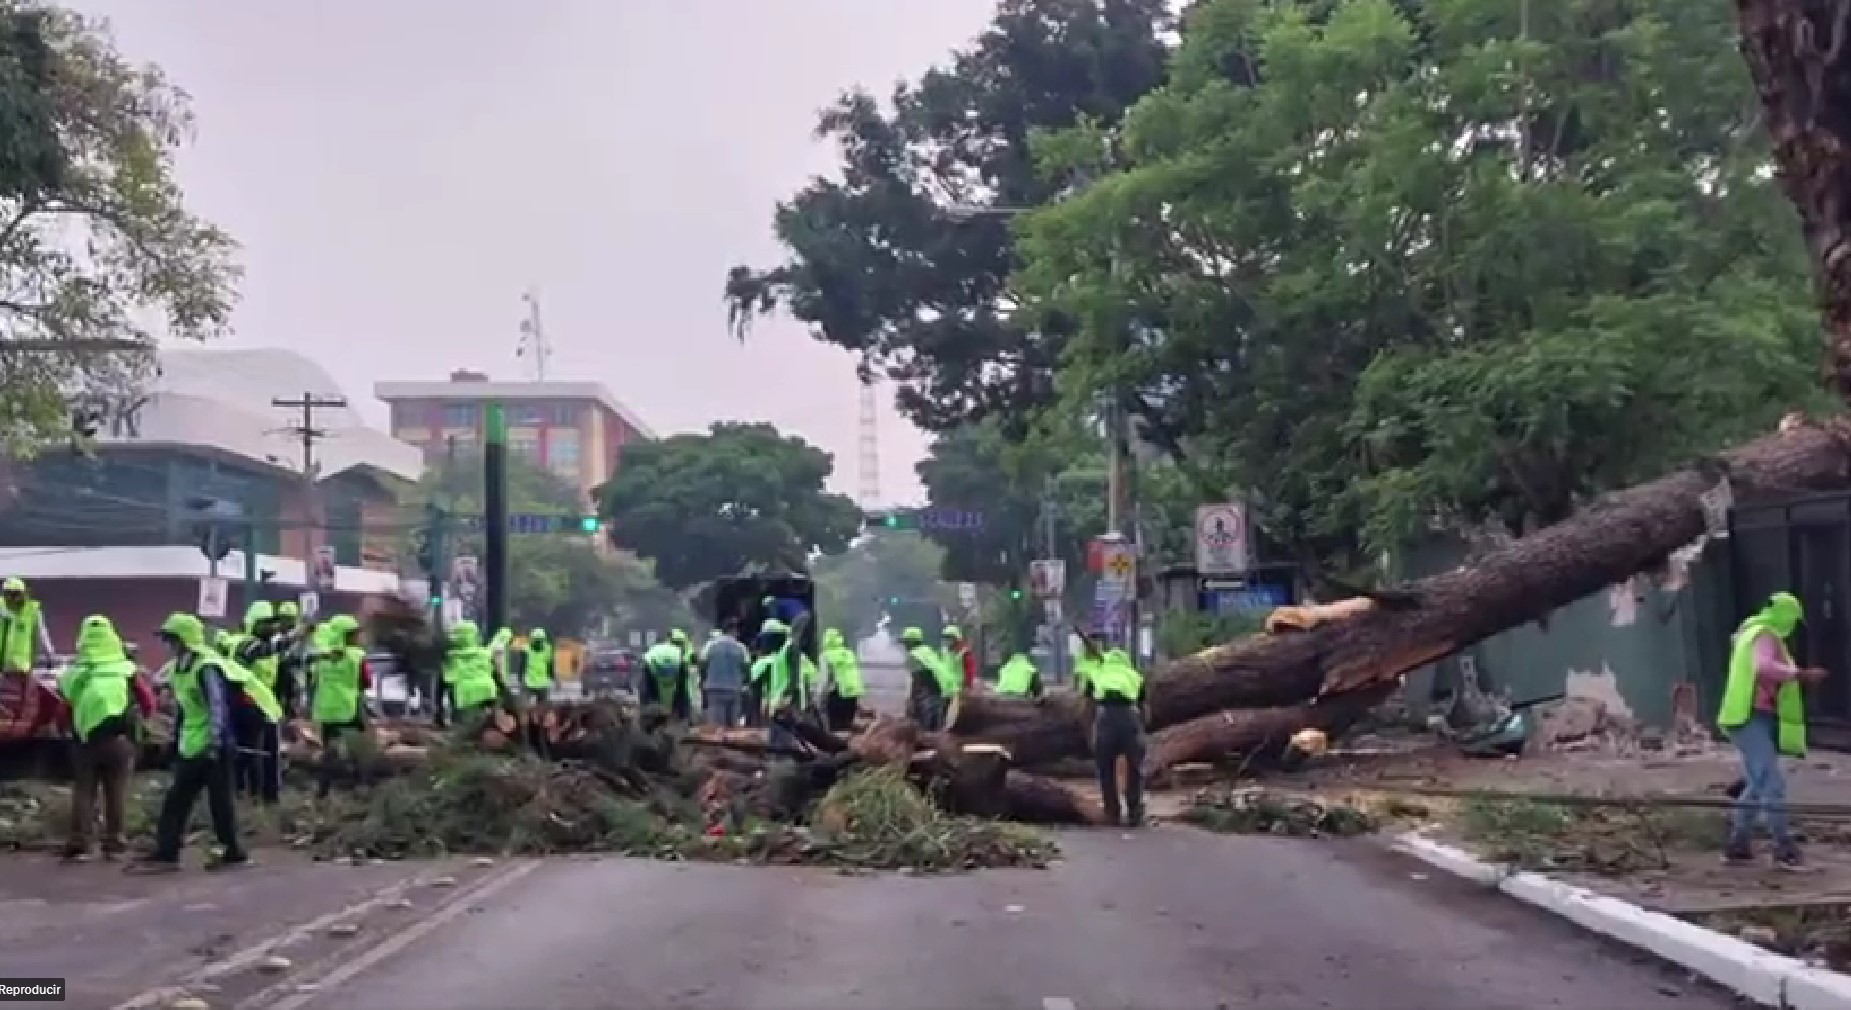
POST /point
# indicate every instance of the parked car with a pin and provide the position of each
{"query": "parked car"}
(610, 671)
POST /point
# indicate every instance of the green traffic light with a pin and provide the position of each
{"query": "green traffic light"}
(588, 524)
(1015, 594)
(893, 522)
(893, 601)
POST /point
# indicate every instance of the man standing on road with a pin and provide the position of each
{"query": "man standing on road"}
(1119, 708)
(788, 675)
(1764, 714)
(340, 679)
(724, 663)
(203, 682)
(258, 770)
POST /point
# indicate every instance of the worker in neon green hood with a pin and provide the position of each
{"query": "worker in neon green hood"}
(931, 683)
(339, 707)
(203, 683)
(469, 671)
(665, 678)
(97, 685)
(537, 674)
(1018, 677)
(1764, 714)
(845, 685)
(258, 769)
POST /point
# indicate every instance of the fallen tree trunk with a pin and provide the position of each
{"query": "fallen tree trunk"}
(1254, 732)
(1298, 673)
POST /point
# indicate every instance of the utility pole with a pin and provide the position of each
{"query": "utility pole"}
(495, 518)
(305, 430)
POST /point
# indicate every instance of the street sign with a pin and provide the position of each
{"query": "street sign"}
(1051, 610)
(1221, 539)
(967, 595)
(1047, 579)
(321, 576)
(1118, 571)
(213, 595)
(309, 604)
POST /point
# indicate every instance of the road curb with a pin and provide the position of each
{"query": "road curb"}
(1765, 978)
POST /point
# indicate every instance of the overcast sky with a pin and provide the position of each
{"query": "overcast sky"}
(400, 170)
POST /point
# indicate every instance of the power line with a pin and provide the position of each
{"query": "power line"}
(308, 403)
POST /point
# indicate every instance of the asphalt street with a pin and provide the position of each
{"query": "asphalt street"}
(1165, 918)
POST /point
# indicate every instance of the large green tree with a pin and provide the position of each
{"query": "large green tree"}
(880, 260)
(710, 505)
(558, 581)
(97, 249)
(1399, 264)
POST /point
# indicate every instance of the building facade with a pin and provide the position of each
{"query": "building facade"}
(576, 430)
(112, 529)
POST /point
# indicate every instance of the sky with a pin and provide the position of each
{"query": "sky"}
(399, 172)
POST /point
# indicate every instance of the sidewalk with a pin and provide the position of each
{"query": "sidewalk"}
(1757, 975)
(115, 937)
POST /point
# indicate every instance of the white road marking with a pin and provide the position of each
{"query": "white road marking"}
(408, 936)
(250, 956)
(1056, 1003)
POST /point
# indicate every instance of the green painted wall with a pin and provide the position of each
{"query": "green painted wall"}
(1630, 651)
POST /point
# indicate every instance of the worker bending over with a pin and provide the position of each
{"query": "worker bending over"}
(469, 671)
(665, 678)
(931, 682)
(1119, 712)
(1018, 678)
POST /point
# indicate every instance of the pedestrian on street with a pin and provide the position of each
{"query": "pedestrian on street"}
(99, 687)
(203, 682)
(1120, 710)
(1764, 714)
(724, 662)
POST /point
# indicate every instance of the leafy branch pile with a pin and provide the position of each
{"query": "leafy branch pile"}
(1264, 812)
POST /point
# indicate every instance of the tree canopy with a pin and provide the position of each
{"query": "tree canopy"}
(558, 582)
(881, 261)
(1393, 265)
(711, 505)
(853, 587)
(96, 243)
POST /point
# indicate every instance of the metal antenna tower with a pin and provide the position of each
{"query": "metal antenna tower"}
(534, 346)
(869, 455)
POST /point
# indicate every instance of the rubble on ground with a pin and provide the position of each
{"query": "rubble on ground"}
(1253, 811)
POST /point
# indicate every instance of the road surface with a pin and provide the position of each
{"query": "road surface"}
(1165, 918)
(886, 687)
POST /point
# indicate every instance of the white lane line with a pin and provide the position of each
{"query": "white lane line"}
(251, 955)
(406, 937)
(1056, 1003)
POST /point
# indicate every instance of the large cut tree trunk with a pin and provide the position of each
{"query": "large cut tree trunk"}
(1325, 676)
(1799, 53)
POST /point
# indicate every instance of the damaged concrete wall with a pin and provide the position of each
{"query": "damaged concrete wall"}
(1629, 646)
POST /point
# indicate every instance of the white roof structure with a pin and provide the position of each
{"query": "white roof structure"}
(476, 390)
(221, 399)
(179, 561)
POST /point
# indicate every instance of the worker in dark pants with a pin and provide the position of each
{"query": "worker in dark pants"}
(203, 685)
(1119, 711)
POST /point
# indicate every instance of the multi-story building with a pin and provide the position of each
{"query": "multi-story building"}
(112, 529)
(577, 430)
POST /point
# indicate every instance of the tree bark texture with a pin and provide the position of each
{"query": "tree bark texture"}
(1799, 54)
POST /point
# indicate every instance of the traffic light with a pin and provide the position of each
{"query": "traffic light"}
(216, 524)
(1015, 594)
(893, 521)
(893, 601)
(588, 524)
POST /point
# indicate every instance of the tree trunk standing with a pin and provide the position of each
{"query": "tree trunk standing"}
(1799, 54)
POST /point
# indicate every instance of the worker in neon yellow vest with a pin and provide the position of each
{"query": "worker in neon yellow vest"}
(1764, 714)
(23, 638)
